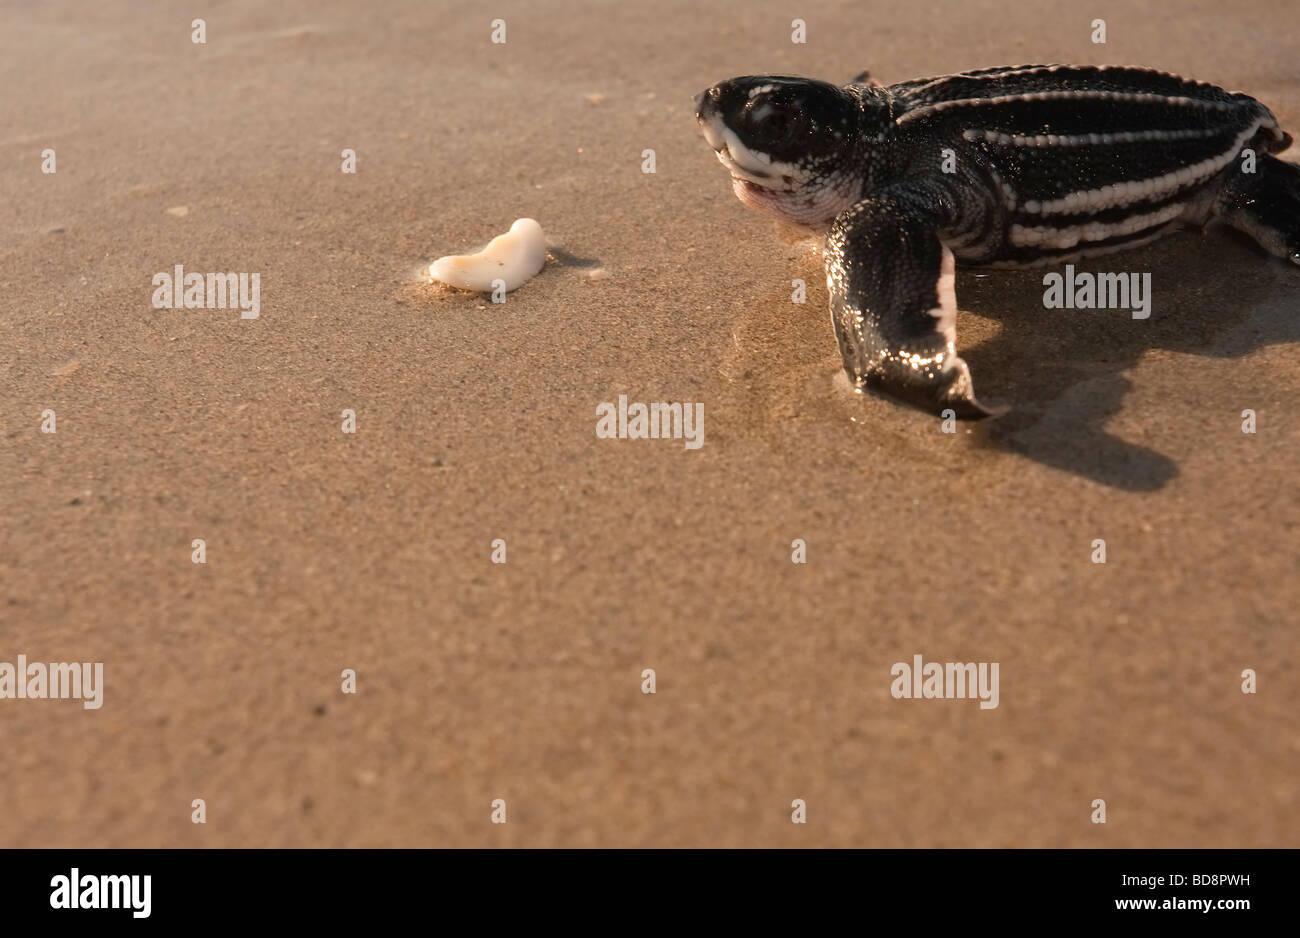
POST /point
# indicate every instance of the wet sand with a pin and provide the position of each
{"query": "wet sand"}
(522, 681)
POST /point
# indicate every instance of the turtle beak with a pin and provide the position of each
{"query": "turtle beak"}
(706, 102)
(709, 109)
(709, 116)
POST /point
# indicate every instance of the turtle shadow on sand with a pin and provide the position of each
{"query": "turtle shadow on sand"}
(1062, 370)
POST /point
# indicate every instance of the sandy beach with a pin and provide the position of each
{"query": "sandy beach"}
(373, 551)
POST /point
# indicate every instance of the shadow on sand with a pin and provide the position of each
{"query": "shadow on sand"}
(1062, 371)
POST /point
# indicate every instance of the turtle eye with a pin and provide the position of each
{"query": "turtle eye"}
(775, 126)
(779, 126)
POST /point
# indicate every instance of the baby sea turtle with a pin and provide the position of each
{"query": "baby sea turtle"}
(1005, 167)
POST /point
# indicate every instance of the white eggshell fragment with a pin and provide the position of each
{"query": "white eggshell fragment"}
(514, 257)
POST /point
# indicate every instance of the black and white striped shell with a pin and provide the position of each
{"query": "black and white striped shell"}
(1080, 157)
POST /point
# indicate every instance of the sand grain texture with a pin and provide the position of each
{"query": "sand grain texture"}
(522, 681)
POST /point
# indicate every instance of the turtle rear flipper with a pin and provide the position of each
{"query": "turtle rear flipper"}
(1265, 205)
(893, 302)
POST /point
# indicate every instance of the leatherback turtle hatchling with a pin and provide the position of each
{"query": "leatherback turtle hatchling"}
(1035, 164)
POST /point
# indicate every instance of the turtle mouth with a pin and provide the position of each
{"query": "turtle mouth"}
(755, 177)
(742, 172)
(733, 154)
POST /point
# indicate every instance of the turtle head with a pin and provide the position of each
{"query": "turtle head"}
(792, 145)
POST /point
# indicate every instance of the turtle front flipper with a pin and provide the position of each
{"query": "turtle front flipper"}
(893, 302)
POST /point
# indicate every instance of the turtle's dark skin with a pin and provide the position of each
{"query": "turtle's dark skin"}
(1048, 163)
